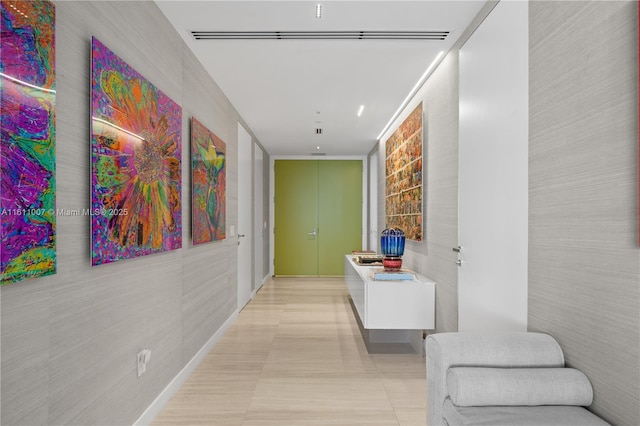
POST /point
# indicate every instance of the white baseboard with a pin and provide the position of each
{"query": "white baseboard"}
(161, 400)
(264, 281)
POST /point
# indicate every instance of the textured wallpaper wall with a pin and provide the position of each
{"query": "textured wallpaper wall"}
(434, 256)
(584, 261)
(70, 340)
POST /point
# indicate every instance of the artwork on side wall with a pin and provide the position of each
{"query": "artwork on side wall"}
(136, 157)
(403, 177)
(27, 149)
(208, 176)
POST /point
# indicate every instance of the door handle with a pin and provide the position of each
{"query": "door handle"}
(314, 233)
(458, 250)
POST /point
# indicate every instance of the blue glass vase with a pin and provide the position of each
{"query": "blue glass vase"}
(392, 246)
(392, 242)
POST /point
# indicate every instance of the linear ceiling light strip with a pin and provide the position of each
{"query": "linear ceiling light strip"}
(413, 92)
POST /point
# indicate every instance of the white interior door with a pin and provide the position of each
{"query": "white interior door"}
(493, 173)
(260, 225)
(245, 254)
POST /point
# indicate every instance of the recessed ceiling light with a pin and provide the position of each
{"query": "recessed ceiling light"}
(360, 110)
(318, 11)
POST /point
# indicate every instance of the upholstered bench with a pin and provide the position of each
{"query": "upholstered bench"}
(504, 378)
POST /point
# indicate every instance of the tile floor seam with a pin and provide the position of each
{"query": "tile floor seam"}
(303, 318)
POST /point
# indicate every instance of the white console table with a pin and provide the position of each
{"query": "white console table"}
(389, 309)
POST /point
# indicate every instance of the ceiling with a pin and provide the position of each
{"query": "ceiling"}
(285, 89)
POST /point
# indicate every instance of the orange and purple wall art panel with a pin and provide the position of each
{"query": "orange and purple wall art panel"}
(208, 176)
(135, 163)
(27, 149)
(403, 177)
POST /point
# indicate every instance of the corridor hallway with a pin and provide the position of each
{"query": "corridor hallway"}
(295, 356)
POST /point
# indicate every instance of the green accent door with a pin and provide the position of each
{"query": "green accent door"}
(318, 215)
(296, 217)
(339, 213)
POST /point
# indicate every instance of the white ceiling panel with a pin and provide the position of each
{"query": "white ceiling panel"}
(285, 89)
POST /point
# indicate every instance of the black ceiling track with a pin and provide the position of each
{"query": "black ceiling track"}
(320, 35)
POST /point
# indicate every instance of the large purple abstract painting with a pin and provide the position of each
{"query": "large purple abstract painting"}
(27, 149)
(135, 163)
(208, 176)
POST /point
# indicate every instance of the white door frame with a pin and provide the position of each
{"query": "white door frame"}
(260, 225)
(373, 203)
(245, 217)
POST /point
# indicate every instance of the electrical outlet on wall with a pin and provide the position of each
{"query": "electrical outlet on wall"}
(143, 358)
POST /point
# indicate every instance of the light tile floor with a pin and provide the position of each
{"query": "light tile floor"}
(295, 356)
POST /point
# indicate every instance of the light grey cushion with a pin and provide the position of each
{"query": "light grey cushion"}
(541, 415)
(478, 386)
(482, 349)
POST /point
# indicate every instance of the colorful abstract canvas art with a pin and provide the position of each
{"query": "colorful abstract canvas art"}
(27, 149)
(208, 176)
(403, 177)
(136, 159)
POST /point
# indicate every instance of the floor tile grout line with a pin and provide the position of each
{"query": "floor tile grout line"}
(294, 302)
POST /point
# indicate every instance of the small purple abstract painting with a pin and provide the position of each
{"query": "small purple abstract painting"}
(136, 146)
(27, 148)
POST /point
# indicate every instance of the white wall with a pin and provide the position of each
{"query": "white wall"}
(493, 156)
